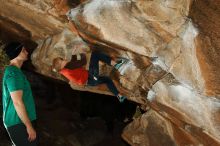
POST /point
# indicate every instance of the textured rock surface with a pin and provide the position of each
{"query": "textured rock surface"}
(36, 19)
(174, 49)
(205, 14)
(149, 128)
(163, 31)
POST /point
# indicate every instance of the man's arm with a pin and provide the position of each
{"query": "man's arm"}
(22, 113)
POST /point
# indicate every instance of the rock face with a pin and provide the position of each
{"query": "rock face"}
(36, 19)
(202, 13)
(174, 53)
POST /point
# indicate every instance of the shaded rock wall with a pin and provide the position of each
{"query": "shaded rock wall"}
(205, 15)
(35, 19)
(174, 53)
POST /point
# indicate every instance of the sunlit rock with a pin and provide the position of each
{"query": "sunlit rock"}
(194, 108)
(173, 56)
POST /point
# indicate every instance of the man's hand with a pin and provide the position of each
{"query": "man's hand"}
(31, 133)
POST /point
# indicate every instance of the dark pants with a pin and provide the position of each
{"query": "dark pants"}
(94, 78)
(19, 135)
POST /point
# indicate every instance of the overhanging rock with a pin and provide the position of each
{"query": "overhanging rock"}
(174, 57)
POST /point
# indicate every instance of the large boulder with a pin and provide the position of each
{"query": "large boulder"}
(173, 51)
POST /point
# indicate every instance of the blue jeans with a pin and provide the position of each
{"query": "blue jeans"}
(94, 78)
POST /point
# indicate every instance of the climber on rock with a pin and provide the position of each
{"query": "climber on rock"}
(77, 73)
(75, 70)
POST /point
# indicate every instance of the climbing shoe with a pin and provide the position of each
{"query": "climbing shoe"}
(120, 62)
(121, 98)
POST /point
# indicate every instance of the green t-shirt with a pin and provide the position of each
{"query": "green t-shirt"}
(14, 80)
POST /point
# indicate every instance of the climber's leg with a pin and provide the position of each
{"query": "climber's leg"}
(111, 86)
(109, 83)
(94, 62)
